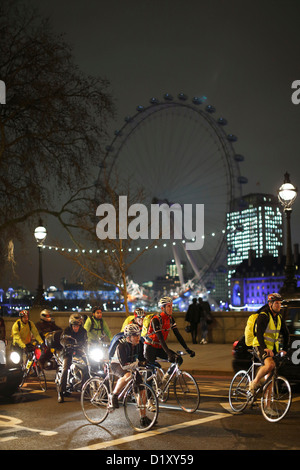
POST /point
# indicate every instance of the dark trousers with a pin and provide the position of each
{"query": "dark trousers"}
(151, 353)
(194, 331)
(67, 361)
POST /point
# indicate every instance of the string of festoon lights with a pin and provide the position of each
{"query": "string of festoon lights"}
(130, 249)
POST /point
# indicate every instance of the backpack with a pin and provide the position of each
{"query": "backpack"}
(19, 324)
(93, 322)
(146, 323)
(114, 343)
(250, 329)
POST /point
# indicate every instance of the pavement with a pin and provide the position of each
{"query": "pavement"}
(210, 359)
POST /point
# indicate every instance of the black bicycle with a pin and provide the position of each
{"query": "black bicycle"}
(32, 370)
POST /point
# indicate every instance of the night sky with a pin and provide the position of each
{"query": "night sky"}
(244, 56)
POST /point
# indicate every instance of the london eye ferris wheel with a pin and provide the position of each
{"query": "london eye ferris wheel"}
(178, 150)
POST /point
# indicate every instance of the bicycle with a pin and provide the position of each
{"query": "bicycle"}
(86, 363)
(33, 367)
(276, 395)
(138, 401)
(186, 390)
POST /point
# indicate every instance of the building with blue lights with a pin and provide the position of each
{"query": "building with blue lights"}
(254, 279)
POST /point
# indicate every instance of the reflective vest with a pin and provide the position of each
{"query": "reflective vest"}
(165, 326)
(271, 335)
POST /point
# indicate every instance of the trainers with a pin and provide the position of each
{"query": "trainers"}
(253, 387)
(145, 421)
(113, 402)
(270, 412)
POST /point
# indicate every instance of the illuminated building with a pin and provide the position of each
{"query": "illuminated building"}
(256, 226)
(254, 279)
(254, 229)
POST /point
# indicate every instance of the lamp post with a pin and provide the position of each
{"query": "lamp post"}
(40, 234)
(287, 194)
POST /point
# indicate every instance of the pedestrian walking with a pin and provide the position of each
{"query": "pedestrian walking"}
(205, 319)
(193, 317)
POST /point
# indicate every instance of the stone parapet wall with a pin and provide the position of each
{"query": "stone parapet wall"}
(226, 327)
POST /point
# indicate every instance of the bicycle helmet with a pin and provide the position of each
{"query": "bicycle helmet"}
(75, 319)
(274, 297)
(164, 301)
(139, 313)
(45, 315)
(131, 330)
(23, 313)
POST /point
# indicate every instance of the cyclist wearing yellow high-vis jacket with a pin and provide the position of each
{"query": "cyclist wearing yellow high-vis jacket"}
(269, 326)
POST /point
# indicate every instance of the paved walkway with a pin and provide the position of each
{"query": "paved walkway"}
(210, 359)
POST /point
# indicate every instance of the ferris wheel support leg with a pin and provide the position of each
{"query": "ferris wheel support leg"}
(178, 264)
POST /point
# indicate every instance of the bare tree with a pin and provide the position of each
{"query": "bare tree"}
(108, 260)
(52, 125)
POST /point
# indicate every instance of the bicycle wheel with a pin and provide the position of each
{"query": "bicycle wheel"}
(239, 394)
(186, 392)
(40, 374)
(94, 400)
(276, 399)
(141, 407)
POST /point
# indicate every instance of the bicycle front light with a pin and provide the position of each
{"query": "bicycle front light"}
(96, 354)
(15, 357)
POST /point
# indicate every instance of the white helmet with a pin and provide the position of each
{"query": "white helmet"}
(45, 315)
(75, 319)
(164, 301)
(131, 330)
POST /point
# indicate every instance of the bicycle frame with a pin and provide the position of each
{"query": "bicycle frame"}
(275, 392)
(124, 390)
(140, 405)
(175, 371)
(32, 362)
(31, 359)
(186, 390)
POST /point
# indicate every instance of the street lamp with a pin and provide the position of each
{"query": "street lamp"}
(40, 234)
(287, 194)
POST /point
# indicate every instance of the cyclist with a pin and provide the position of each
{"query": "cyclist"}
(269, 325)
(158, 331)
(137, 318)
(44, 326)
(76, 331)
(46, 323)
(23, 332)
(96, 326)
(128, 355)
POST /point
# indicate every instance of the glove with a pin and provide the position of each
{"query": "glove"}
(29, 347)
(172, 356)
(190, 352)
